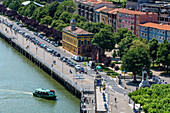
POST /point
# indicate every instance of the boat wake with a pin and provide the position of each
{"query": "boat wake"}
(14, 91)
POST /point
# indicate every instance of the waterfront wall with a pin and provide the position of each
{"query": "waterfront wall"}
(44, 66)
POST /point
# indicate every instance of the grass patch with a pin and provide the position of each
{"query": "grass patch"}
(130, 74)
(106, 70)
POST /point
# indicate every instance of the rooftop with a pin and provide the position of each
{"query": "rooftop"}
(104, 7)
(94, 2)
(126, 11)
(158, 26)
(77, 31)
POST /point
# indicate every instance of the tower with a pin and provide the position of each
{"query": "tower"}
(73, 25)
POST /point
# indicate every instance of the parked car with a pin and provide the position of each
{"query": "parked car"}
(57, 54)
(72, 64)
(56, 45)
(50, 50)
(65, 59)
(77, 58)
(35, 33)
(79, 68)
(68, 62)
(61, 58)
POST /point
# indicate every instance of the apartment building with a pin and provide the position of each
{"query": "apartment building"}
(86, 8)
(150, 30)
(131, 19)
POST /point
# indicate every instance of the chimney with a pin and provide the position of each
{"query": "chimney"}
(146, 13)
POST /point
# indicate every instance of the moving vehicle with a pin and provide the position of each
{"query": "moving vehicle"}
(44, 93)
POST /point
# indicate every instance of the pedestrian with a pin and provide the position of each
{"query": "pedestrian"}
(92, 101)
(70, 71)
(115, 99)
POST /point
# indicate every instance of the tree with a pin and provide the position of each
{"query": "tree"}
(135, 59)
(104, 39)
(68, 6)
(107, 61)
(153, 48)
(30, 9)
(125, 44)
(55, 23)
(61, 26)
(39, 13)
(65, 17)
(14, 5)
(79, 18)
(139, 44)
(114, 54)
(7, 2)
(51, 9)
(46, 20)
(121, 33)
(112, 65)
(116, 68)
(163, 54)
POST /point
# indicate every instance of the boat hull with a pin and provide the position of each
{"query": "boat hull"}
(45, 96)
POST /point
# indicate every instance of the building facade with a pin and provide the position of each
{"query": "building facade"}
(153, 30)
(160, 7)
(73, 37)
(86, 8)
(131, 19)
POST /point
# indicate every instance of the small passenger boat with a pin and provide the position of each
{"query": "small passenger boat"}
(44, 93)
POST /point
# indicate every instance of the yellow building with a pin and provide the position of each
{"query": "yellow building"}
(73, 37)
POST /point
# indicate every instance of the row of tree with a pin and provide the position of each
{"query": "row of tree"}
(49, 32)
(154, 100)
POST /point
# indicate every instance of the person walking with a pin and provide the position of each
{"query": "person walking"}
(115, 99)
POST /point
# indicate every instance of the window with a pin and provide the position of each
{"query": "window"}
(120, 14)
(142, 34)
(168, 39)
(126, 15)
(162, 38)
(81, 42)
(123, 20)
(129, 27)
(123, 15)
(163, 32)
(150, 35)
(126, 26)
(153, 30)
(132, 17)
(129, 21)
(126, 21)
(145, 29)
(137, 23)
(153, 36)
(159, 37)
(145, 34)
(137, 17)
(129, 16)
(122, 25)
(150, 29)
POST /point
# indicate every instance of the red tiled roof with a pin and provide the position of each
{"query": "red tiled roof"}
(126, 11)
(77, 30)
(158, 26)
(98, 10)
(95, 2)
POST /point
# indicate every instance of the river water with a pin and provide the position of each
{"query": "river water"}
(19, 78)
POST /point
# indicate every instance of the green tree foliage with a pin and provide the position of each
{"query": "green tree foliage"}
(163, 54)
(154, 100)
(68, 6)
(139, 44)
(114, 54)
(46, 20)
(7, 2)
(57, 14)
(153, 48)
(39, 13)
(79, 18)
(51, 9)
(125, 43)
(55, 23)
(135, 59)
(104, 39)
(14, 5)
(61, 26)
(120, 34)
(65, 17)
(30, 9)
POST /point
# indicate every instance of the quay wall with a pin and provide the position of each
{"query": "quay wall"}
(44, 66)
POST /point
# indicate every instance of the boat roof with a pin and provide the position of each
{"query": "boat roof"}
(42, 90)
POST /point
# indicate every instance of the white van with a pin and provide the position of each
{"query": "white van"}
(77, 58)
